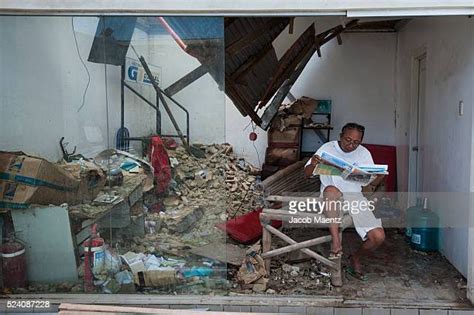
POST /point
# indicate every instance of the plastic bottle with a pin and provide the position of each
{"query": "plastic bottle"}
(411, 213)
(425, 230)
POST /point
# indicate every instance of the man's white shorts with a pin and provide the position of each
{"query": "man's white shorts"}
(362, 215)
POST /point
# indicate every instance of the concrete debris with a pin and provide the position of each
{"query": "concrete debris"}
(179, 221)
(203, 192)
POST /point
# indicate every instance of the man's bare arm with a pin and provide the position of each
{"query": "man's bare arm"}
(308, 170)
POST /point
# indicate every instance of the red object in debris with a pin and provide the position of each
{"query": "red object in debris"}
(253, 136)
(90, 247)
(14, 265)
(156, 208)
(246, 228)
(170, 143)
(160, 161)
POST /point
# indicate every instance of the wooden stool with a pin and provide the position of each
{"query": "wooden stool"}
(290, 184)
(316, 220)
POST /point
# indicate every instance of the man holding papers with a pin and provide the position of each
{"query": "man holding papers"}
(346, 167)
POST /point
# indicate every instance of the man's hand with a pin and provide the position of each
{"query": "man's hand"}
(308, 170)
(315, 160)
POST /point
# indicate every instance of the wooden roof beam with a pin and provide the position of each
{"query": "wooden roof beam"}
(251, 37)
(287, 63)
(324, 37)
(250, 63)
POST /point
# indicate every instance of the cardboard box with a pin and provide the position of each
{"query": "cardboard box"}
(290, 137)
(26, 180)
(91, 177)
(155, 278)
(281, 156)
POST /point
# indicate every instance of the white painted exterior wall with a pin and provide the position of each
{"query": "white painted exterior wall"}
(449, 45)
(43, 90)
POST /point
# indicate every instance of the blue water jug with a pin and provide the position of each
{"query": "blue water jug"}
(411, 214)
(425, 230)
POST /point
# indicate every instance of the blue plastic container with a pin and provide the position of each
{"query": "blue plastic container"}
(425, 230)
(411, 214)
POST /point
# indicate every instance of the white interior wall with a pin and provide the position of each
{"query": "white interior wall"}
(237, 130)
(43, 90)
(449, 45)
(358, 77)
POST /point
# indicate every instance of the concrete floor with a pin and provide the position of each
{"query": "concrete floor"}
(395, 271)
(399, 272)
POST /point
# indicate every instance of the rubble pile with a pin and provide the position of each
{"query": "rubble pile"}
(202, 193)
(219, 175)
(286, 279)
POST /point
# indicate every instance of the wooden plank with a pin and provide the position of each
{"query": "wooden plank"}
(288, 63)
(141, 299)
(67, 308)
(308, 252)
(244, 108)
(186, 80)
(285, 88)
(255, 34)
(281, 174)
(292, 198)
(266, 245)
(290, 248)
(313, 303)
(245, 67)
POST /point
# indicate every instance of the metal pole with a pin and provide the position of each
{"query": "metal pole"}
(158, 115)
(122, 99)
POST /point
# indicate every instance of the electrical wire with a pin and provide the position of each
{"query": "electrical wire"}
(253, 143)
(84, 64)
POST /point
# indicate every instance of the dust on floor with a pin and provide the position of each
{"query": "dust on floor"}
(395, 271)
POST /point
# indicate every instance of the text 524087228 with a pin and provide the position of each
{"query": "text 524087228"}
(28, 304)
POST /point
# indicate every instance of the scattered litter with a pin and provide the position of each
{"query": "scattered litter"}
(174, 162)
(197, 272)
(253, 267)
(124, 277)
(107, 199)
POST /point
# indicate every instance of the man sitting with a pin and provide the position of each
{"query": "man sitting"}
(335, 188)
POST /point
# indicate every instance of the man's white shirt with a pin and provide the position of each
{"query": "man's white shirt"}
(359, 156)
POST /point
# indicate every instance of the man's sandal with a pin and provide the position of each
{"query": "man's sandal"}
(356, 274)
(335, 255)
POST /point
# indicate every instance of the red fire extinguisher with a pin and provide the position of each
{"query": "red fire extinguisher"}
(91, 245)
